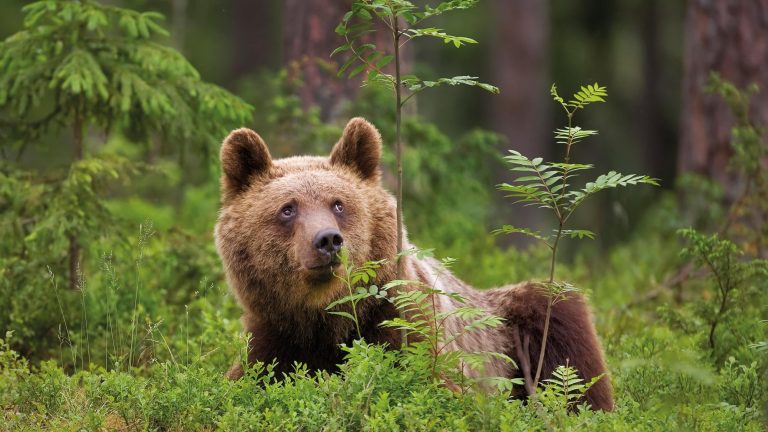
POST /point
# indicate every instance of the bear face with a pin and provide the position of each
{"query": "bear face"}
(283, 221)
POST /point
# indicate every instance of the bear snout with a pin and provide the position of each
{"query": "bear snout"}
(328, 242)
(321, 255)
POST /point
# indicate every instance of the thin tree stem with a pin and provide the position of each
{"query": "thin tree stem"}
(561, 221)
(399, 158)
(398, 148)
(543, 344)
(74, 243)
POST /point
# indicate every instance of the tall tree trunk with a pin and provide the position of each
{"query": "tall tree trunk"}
(309, 37)
(519, 67)
(729, 37)
(308, 40)
(650, 119)
(254, 24)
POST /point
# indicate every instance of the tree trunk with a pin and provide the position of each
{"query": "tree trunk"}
(729, 37)
(254, 24)
(519, 67)
(309, 37)
(654, 137)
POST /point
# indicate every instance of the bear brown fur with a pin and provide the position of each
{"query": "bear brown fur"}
(282, 222)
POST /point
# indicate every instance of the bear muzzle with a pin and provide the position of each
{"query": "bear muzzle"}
(323, 257)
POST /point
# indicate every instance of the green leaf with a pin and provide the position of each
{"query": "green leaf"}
(509, 229)
(580, 234)
(361, 67)
(343, 314)
(342, 48)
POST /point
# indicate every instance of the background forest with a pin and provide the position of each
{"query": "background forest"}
(114, 313)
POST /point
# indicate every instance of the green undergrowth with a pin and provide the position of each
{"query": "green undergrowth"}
(665, 375)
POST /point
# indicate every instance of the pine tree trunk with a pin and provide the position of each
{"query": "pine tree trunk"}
(729, 37)
(254, 26)
(650, 119)
(519, 67)
(308, 40)
(309, 37)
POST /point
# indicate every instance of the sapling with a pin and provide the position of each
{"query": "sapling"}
(548, 186)
(425, 322)
(404, 22)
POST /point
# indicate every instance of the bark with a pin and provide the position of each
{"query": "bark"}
(519, 68)
(308, 40)
(729, 37)
(309, 37)
(652, 131)
(254, 26)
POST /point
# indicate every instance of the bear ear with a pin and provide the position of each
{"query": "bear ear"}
(243, 155)
(360, 149)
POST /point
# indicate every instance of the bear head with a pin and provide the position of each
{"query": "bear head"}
(283, 221)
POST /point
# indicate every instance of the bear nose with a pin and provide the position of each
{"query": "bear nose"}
(328, 241)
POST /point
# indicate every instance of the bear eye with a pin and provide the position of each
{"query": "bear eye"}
(288, 211)
(338, 207)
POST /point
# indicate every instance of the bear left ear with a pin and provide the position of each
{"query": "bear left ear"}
(243, 156)
(360, 149)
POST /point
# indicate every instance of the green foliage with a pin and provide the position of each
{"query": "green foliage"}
(546, 185)
(351, 278)
(367, 57)
(79, 63)
(736, 280)
(421, 320)
(564, 390)
(168, 291)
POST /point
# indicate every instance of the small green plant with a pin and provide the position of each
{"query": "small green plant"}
(425, 322)
(565, 389)
(548, 186)
(404, 22)
(729, 271)
(351, 278)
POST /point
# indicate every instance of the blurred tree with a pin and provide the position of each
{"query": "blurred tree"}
(255, 24)
(519, 67)
(80, 64)
(650, 118)
(308, 40)
(729, 37)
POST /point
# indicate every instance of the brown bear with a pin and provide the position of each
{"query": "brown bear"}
(279, 231)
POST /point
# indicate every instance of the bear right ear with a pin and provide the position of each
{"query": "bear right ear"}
(243, 155)
(360, 149)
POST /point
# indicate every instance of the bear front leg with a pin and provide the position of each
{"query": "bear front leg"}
(257, 349)
(571, 339)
